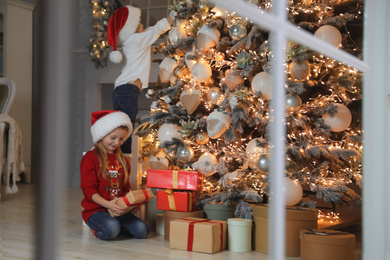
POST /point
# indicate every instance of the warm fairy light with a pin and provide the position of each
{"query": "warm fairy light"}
(331, 217)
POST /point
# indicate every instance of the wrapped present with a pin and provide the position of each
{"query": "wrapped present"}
(134, 199)
(174, 179)
(173, 215)
(198, 234)
(296, 219)
(327, 244)
(175, 200)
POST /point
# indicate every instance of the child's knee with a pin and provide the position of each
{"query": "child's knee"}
(110, 231)
(142, 230)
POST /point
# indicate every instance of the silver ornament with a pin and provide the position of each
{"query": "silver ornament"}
(238, 31)
(264, 163)
(214, 96)
(185, 153)
(293, 102)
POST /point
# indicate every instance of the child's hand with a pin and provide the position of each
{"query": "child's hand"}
(115, 208)
(171, 17)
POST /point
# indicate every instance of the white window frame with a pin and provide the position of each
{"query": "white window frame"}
(146, 10)
(376, 122)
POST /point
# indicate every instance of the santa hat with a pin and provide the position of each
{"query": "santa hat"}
(106, 121)
(122, 24)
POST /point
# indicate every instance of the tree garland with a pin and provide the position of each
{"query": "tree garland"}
(102, 10)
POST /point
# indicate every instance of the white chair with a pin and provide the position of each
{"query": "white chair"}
(7, 94)
(10, 137)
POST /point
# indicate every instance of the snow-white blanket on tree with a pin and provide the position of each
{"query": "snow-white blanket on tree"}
(11, 162)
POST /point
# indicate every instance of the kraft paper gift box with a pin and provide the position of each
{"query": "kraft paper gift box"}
(175, 200)
(327, 244)
(198, 234)
(296, 219)
(134, 199)
(174, 179)
(173, 215)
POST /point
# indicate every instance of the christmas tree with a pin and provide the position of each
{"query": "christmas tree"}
(212, 104)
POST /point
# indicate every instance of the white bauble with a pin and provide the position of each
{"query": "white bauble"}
(217, 124)
(263, 82)
(330, 34)
(206, 164)
(168, 131)
(299, 70)
(292, 191)
(159, 161)
(233, 79)
(340, 121)
(201, 71)
(166, 69)
(253, 152)
(206, 38)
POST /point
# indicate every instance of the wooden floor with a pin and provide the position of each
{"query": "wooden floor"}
(17, 235)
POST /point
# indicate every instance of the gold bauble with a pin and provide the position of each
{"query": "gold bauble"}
(202, 138)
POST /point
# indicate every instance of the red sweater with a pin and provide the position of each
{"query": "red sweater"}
(92, 182)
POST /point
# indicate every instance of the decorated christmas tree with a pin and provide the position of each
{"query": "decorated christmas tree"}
(212, 105)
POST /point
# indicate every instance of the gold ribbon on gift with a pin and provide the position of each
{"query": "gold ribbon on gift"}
(171, 199)
(189, 201)
(175, 179)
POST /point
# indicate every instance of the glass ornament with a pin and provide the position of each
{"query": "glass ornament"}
(262, 82)
(185, 153)
(179, 71)
(340, 121)
(215, 96)
(293, 102)
(264, 163)
(202, 138)
(238, 30)
(106, 3)
(330, 34)
(299, 70)
(168, 131)
(203, 6)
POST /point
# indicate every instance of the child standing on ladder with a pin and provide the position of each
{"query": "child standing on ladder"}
(125, 28)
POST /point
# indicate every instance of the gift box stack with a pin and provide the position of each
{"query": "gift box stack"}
(175, 194)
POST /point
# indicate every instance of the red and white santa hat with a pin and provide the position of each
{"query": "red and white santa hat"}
(106, 121)
(122, 24)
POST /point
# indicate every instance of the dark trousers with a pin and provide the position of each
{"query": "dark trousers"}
(125, 99)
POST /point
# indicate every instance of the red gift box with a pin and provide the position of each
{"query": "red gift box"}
(174, 179)
(134, 199)
(175, 200)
